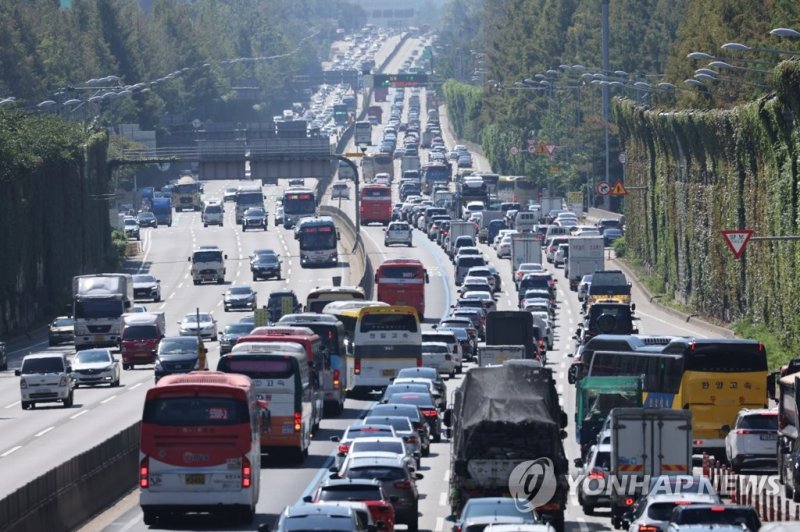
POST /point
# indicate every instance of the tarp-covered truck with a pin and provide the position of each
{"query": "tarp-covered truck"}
(501, 417)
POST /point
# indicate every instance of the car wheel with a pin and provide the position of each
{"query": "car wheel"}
(279, 276)
(460, 369)
(588, 510)
(255, 277)
(205, 225)
(26, 405)
(157, 299)
(426, 451)
(453, 374)
(51, 343)
(226, 309)
(69, 400)
(413, 526)
(149, 516)
(115, 384)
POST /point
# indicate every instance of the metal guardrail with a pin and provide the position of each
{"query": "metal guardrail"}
(254, 149)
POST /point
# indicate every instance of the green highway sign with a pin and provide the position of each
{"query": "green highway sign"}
(399, 80)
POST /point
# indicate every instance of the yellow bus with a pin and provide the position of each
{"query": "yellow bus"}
(347, 313)
(386, 340)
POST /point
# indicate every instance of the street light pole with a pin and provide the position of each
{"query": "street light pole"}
(606, 90)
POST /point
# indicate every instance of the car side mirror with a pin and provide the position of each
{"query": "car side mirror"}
(380, 525)
(189, 259)
(69, 369)
(562, 419)
(578, 462)
(226, 256)
(333, 476)
(771, 386)
(419, 476)
(448, 418)
(563, 434)
(394, 498)
(725, 429)
(333, 470)
(335, 439)
(633, 307)
(17, 373)
(338, 235)
(450, 518)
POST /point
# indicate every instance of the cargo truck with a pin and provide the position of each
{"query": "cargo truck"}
(513, 327)
(98, 301)
(525, 247)
(487, 217)
(646, 443)
(501, 417)
(788, 424)
(550, 204)
(458, 228)
(162, 210)
(208, 265)
(409, 162)
(496, 355)
(585, 257)
(595, 397)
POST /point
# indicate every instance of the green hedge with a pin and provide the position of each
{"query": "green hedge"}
(54, 218)
(705, 172)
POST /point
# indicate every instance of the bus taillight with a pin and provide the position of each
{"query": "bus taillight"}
(357, 367)
(298, 418)
(247, 473)
(144, 473)
(336, 380)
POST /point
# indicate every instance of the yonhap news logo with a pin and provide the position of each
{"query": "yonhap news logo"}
(533, 483)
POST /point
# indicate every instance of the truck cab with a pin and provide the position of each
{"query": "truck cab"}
(45, 378)
(208, 265)
(141, 334)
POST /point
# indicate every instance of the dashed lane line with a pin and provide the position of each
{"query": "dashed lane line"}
(13, 449)
(135, 386)
(108, 399)
(79, 414)
(12, 405)
(43, 432)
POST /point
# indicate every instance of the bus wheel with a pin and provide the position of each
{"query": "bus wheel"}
(300, 455)
(247, 514)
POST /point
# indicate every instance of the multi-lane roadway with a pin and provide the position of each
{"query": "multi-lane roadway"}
(36, 440)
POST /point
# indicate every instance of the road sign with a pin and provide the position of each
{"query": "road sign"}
(514, 150)
(551, 149)
(618, 190)
(602, 188)
(399, 80)
(575, 197)
(623, 158)
(354, 154)
(737, 240)
(533, 150)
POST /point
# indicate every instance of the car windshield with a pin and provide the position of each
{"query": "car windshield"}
(64, 322)
(91, 355)
(267, 259)
(409, 411)
(192, 318)
(410, 399)
(169, 346)
(377, 472)
(42, 365)
(488, 509)
(144, 279)
(140, 332)
(428, 348)
(378, 447)
(660, 511)
(238, 328)
(130, 221)
(350, 493)
(240, 290)
(254, 211)
(146, 215)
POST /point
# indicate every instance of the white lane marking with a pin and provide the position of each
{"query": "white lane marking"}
(569, 311)
(186, 275)
(447, 475)
(439, 524)
(171, 296)
(180, 285)
(79, 414)
(135, 386)
(640, 313)
(107, 399)
(13, 404)
(443, 499)
(219, 303)
(560, 389)
(43, 432)
(13, 449)
(563, 364)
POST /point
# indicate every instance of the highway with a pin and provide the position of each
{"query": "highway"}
(29, 438)
(283, 485)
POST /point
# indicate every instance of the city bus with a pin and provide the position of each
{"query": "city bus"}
(318, 239)
(246, 197)
(332, 336)
(713, 378)
(182, 466)
(402, 282)
(311, 344)
(386, 340)
(376, 163)
(282, 380)
(362, 133)
(319, 297)
(186, 194)
(516, 189)
(720, 377)
(375, 204)
(297, 203)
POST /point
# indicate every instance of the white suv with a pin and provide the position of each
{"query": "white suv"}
(753, 439)
(398, 233)
(45, 378)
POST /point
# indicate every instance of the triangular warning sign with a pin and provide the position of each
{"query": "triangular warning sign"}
(737, 240)
(551, 149)
(618, 189)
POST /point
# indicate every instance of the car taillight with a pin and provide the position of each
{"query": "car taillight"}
(648, 528)
(629, 501)
(344, 448)
(144, 473)
(247, 473)
(298, 421)
(430, 413)
(336, 379)
(357, 367)
(743, 431)
(597, 475)
(403, 485)
(419, 362)
(717, 509)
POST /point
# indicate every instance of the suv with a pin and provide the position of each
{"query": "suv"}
(398, 233)
(131, 227)
(254, 217)
(368, 491)
(396, 479)
(45, 378)
(180, 354)
(753, 439)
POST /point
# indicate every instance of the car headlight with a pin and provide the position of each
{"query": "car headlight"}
(197, 364)
(158, 364)
(23, 384)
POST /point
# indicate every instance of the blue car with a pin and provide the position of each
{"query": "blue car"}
(611, 235)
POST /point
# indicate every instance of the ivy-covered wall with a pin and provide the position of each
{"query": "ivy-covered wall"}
(54, 220)
(705, 172)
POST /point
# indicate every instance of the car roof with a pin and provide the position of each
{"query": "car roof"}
(45, 355)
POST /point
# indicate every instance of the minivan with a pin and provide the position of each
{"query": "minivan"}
(45, 378)
(213, 213)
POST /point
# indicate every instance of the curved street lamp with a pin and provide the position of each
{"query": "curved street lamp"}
(739, 47)
(785, 32)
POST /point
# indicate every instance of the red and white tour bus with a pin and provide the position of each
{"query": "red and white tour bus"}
(402, 282)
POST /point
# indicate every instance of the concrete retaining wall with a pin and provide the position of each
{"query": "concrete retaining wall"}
(70, 494)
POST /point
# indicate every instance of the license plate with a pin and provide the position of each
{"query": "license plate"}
(98, 338)
(195, 479)
(388, 373)
(769, 436)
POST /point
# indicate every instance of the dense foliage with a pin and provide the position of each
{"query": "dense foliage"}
(53, 214)
(44, 48)
(705, 172)
(515, 40)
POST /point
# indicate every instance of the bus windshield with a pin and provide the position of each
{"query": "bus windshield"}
(318, 238)
(250, 198)
(299, 203)
(260, 367)
(195, 411)
(388, 322)
(725, 358)
(400, 272)
(98, 308)
(376, 193)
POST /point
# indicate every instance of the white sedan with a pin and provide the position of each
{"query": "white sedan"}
(504, 248)
(206, 324)
(95, 366)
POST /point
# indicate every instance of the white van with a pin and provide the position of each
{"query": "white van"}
(525, 221)
(213, 213)
(45, 378)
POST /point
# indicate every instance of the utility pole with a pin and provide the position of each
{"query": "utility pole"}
(606, 90)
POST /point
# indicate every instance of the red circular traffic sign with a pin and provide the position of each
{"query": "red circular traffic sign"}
(603, 188)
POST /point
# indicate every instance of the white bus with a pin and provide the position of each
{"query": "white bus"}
(297, 203)
(386, 340)
(246, 197)
(362, 133)
(319, 241)
(182, 465)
